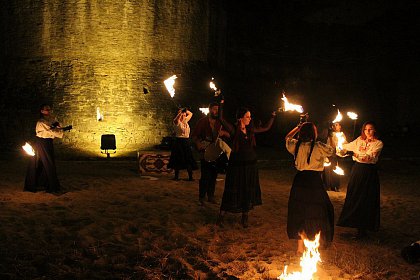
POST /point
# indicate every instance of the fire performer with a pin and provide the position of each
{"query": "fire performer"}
(330, 178)
(41, 168)
(181, 154)
(309, 209)
(361, 207)
(207, 130)
(242, 186)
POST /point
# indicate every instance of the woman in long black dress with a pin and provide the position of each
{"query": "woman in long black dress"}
(361, 208)
(181, 153)
(309, 209)
(242, 186)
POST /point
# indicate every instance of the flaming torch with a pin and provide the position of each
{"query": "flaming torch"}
(212, 85)
(28, 149)
(217, 91)
(338, 118)
(204, 110)
(353, 116)
(291, 107)
(340, 140)
(99, 116)
(338, 170)
(308, 261)
(169, 84)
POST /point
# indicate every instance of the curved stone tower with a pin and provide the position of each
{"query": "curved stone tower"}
(111, 55)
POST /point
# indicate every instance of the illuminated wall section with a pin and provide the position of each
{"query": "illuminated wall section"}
(102, 53)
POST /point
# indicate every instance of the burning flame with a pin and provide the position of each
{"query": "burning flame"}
(308, 262)
(338, 118)
(205, 110)
(28, 149)
(340, 140)
(291, 107)
(338, 170)
(352, 115)
(169, 84)
(99, 116)
(212, 85)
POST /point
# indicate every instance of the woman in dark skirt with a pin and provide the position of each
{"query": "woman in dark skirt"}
(361, 208)
(242, 186)
(309, 209)
(181, 153)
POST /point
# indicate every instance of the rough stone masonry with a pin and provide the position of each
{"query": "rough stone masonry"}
(81, 55)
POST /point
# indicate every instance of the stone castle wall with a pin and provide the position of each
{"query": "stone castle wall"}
(81, 55)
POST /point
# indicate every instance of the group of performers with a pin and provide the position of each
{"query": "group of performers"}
(309, 208)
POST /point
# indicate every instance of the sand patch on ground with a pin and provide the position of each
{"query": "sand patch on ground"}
(113, 223)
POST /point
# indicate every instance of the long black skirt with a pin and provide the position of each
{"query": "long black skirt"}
(181, 155)
(41, 168)
(310, 209)
(362, 205)
(242, 184)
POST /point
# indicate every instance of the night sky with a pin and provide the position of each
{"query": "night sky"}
(359, 55)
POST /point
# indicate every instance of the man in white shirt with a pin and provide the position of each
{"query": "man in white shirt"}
(41, 170)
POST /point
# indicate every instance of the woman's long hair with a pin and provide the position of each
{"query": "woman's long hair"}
(249, 129)
(307, 133)
(362, 132)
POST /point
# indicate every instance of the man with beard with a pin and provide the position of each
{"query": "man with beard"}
(206, 132)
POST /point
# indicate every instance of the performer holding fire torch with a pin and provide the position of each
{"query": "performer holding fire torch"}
(361, 207)
(181, 154)
(207, 130)
(331, 179)
(309, 209)
(41, 169)
(242, 186)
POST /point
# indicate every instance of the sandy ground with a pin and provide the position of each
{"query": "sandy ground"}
(113, 223)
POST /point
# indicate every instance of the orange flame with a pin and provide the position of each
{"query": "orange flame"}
(169, 84)
(212, 85)
(291, 107)
(204, 110)
(338, 118)
(99, 116)
(28, 149)
(338, 170)
(352, 115)
(340, 140)
(308, 261)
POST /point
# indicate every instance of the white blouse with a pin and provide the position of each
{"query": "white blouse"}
(365, 151)
(43, 129)
(182, 130)
(319, 153)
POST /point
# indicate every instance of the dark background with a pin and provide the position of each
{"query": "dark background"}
(361, 56)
